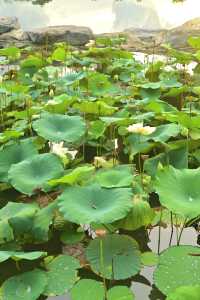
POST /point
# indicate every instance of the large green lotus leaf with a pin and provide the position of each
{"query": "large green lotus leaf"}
(96, 108)
(26, 286)
(87, 204)
(178, 158)
(58, 128)
(177, 266)
(87, 289)
(185, 293)
(120, 176)
(138, 144)
(12, 216)
(179, 190)
(17, 255)
(61, 275)
(13, 154)
(120, 293)
(42, 220)
(164, 132)
(96, 129)
(78, 175)
(34, 173)
(140, 215)
(114, 256)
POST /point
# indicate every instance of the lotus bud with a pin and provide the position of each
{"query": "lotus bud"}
(51, 93)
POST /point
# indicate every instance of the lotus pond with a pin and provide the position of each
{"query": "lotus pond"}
(99, 158)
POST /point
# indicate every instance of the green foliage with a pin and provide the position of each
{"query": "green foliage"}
(177, 266)
(114, 256)
(97, 148)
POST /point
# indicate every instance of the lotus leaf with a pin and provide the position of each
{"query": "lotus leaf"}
(87, 289)
(32, 174)
(61, 275)
(87, 204)
(15, 217)
(140, 215)
(185, 293)
(58, 128)
(178, 266)
(179, 190)
(120, 293)
(13, 154)
(114, 256)
(17, 255)
(120, 176)
(26, 286)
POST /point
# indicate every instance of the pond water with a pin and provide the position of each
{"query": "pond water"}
(101, 15)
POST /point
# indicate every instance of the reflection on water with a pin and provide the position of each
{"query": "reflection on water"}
(101, 15)
(143, 288)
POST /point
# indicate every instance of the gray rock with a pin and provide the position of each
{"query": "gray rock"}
(74, 35)
(151, 40)
(14, 37)
(178, 36)
(8, 23)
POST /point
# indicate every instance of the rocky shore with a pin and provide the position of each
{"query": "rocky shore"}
(141, 40)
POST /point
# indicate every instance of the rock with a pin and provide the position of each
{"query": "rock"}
(74, 35)
(145, 40)
(178, 36)
(14, 37)
(8, 24)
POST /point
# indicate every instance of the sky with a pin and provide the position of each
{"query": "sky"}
(102, 15)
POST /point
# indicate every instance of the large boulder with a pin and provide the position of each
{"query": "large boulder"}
(74, 35)
(14, 37)
(8, 24)
(178, 36)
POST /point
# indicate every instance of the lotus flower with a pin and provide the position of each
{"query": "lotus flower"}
(141, 129)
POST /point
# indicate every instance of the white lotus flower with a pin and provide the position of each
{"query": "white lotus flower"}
(141, 129)
(58, 149)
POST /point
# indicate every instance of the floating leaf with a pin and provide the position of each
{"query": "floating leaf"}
(119, 176)
(58, 128)
(177, 266)
(185, 293)
(114, 256)
(85, 289)
(26, 286)
(87, 204)
(61, 275)
(149, 259)
(179, 190)
(33, 174)
(120, 293)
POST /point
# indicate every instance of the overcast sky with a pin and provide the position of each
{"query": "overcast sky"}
(100, 15)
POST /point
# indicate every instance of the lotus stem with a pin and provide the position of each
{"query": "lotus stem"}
(181, 232)
(159, 231)
(172, 229)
